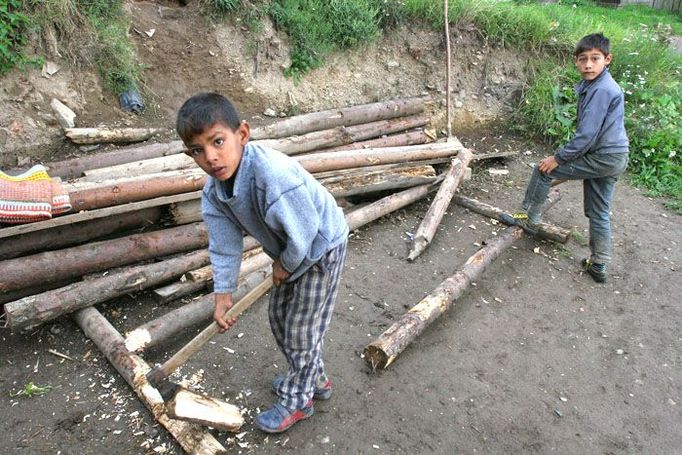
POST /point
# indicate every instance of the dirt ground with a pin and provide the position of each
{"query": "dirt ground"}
(535, 358)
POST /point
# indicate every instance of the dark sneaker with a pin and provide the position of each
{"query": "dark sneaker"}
(521, 220)
(596, 271)
(278, 418)
(322, 391)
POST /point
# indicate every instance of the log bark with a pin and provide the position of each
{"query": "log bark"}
(545, 230)
(75, 167)
(342, 135)
(347, 116)
(116, 194)
(325, 161)
(110, 135)
(433, 217)
(142, 167)
(77, 261)
(191, 437)
(383, 351)
(40, 308)
(395, 140)
(96, 214)
(379, 181)
(196, 312)
(74, 234)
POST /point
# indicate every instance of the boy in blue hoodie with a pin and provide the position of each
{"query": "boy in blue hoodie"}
(268, 195)
(597, 154)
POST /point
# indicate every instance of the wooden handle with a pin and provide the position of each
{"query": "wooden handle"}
(198, 341)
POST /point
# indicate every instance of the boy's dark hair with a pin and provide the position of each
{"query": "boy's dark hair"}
(594, 41)
(203, 110)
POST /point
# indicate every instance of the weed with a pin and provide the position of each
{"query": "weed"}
(13, 25)
(579, 237)
(31, 389)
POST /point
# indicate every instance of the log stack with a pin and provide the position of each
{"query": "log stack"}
(136, 223)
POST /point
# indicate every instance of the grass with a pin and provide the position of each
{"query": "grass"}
(31, 390)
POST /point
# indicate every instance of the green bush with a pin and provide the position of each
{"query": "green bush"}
(13, 24)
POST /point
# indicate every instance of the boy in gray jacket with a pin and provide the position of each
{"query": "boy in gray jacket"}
(597, 154)
(268, 195)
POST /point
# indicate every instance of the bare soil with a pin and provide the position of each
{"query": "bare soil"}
(535, 358)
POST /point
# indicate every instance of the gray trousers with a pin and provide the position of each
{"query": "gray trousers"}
(599, 173)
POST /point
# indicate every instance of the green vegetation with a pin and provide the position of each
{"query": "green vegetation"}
(12, 34)
(31, 389)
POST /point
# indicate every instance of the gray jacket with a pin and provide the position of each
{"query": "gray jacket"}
(601, 112)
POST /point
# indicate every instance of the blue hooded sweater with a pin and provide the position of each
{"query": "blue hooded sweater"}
(277, 202)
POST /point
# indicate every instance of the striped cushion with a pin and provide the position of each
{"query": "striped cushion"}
(31, 196)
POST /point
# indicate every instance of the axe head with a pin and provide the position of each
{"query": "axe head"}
(159, 380)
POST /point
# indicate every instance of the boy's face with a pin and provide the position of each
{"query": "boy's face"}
(591, 63)
(218, 149)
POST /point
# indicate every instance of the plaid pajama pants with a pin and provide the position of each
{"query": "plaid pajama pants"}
(300, 313)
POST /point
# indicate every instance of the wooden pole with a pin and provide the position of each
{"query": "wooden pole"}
(347, 116)
(346, 159)
(115, 135)
(193, 438)
(77, 261)
(433, 217)
(142, 167)
(379, 181)
(73, 234)
(545, 230)
(40, 308)
(383, 351)
(395, 140)
(448, 96)
(196, 312)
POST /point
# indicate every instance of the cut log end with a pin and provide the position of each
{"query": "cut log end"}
(376, 357)
(191, 407)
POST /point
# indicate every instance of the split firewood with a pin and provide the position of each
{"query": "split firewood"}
(383, 351)
(347, 116)
(110, 135)
(433, 217)
(192, 438)
(204, 410)
(51, 266)
(545, 230)
(40, 308)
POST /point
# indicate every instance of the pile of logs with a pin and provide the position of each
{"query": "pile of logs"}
(136, 225)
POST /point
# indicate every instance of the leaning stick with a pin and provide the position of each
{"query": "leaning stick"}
(433, 217)
(383, 351)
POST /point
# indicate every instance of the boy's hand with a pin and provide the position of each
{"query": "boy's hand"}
(223, 302)
(548, 164)
(279, 273)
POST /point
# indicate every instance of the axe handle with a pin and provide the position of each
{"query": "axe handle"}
(198, 341)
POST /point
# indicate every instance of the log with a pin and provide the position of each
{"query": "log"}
(433, 217)
(185, 212)
(342, 135)
(545, 230)
(76, 166)
(178, 289)
(203, 274)
(347, 116)
(40, 308)
(191, 437)
(194, 313)
(73, 234)
(142, 167)
(383, 351)
(380, 181)
(395, 140)
(204, 410)
(387, 205)
(96, 214)
(110, 135)
(77, 261)
(116, 194)
(346, 159)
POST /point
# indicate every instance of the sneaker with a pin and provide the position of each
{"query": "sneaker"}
(322, 391)
(596, 271)
(521, 220)
(278, 418)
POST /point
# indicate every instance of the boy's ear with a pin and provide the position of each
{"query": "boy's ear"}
(244, 132)
(607, 59)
